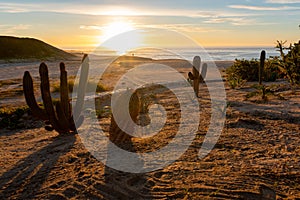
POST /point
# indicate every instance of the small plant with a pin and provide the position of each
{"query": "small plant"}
(103, 112)
(99, 87)
(261, 89)
(235, 81)
(264, 92)
(9, 117)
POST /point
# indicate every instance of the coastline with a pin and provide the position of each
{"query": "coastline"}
(11, 74)
(16, 70)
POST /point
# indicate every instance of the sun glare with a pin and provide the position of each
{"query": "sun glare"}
(120, 36)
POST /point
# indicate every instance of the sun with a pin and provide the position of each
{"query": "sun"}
(120, 36)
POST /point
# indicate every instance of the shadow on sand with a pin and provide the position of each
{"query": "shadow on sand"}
(27, 177)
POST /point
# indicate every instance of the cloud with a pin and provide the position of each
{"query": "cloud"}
(282, 1)
(91, 27)
(111, 10)
(11, 29)
(237, 21)
(263, 8)
(16, 7)
(188, 28)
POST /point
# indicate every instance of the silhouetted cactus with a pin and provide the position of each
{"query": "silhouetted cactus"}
(116, 134)
(261, 66)
(60, 117)
(195, 76)
(30, 100)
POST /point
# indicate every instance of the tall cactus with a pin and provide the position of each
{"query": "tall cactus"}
(60, 117)
(261, 66)
(195, 76)
(29, 97)
(81, 88)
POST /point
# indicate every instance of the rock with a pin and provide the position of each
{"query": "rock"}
(267, 193)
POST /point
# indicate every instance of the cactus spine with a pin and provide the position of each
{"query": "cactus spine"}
(60, 117)
(195, 76)
(261, 66)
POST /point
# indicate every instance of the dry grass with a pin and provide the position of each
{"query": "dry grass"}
(11, 88)
(55, 86)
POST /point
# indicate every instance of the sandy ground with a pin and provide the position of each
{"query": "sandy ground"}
(256, 157)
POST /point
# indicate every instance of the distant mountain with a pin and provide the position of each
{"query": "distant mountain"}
(14, 49)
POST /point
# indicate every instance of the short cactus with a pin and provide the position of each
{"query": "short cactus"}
(195, 76)
(117, 135)
(261, 66)
(60, 118)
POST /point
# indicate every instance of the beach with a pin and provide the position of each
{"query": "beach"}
(256, 156)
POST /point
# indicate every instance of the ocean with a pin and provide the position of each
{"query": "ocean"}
(207, 54)
(16, 70)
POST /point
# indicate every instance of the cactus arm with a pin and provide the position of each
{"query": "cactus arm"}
(191, 75)
(203, 72)
(45, 90)
(81, 87)
(196, 68)
(30, 99)
(64, 91)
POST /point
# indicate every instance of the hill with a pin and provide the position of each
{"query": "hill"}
(14, 49)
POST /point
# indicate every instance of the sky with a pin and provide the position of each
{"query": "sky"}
(86, 23)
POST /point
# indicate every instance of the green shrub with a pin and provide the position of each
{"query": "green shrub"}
(9, 117)
(289, 63)
(244, 69)
(264, 91)
(56, 86)
(235, 81)
(247, 70)
(99, 88)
